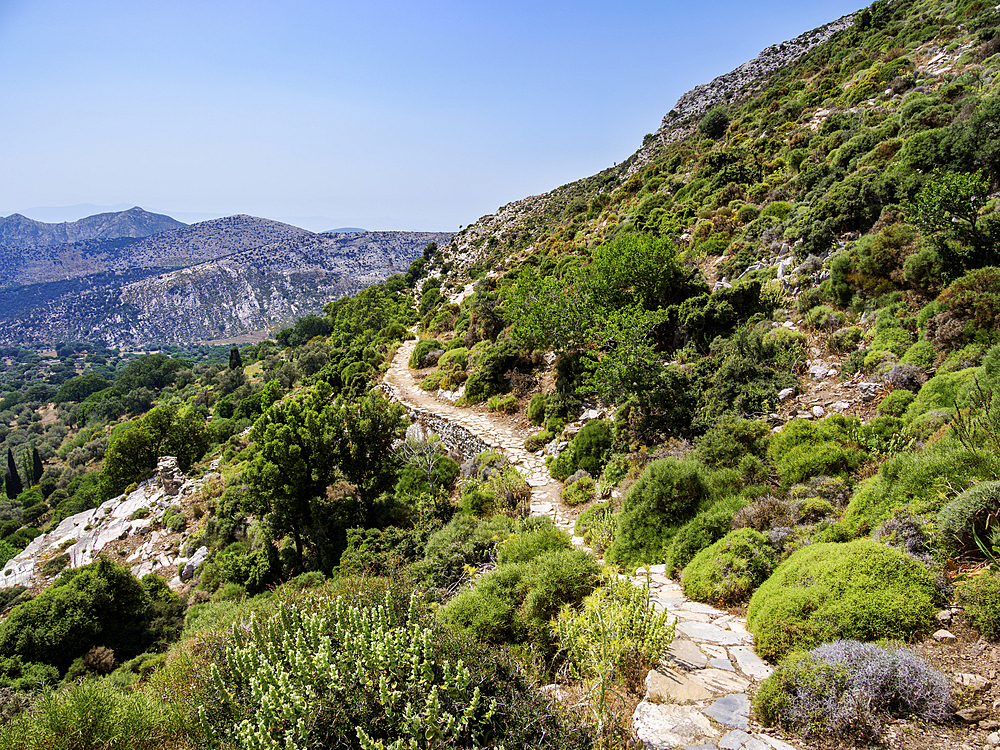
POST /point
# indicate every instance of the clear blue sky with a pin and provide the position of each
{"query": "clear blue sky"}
(380, 114)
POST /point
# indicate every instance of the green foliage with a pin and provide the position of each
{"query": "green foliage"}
(301, 446)
(917, 481)
(78, 388)
(579, 492)
(729, 440)
(136, 446)
(805, 449)
(96, 713)
(253, 569)
(536, 409)
(715, 122)
(974, 513)
(664, 497)
(463, 544)
(949, 207)
(616, 634)
(505, 403)
(97, 604)
(534, 537)
(731, 569)
(588, 451)
(516, 600)
(709, 526)
(860, 590)
(418, 359)
(980, 595)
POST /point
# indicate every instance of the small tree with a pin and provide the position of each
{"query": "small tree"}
(235, 360)
(948, 208)
(715, 123)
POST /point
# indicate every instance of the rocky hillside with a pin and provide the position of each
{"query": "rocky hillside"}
(20, 231)
(249, 281)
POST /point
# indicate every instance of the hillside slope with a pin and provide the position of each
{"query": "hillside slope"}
(253, 287)
(20, 231)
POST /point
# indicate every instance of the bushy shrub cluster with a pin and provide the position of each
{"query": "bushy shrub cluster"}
(731, 569)
(588, 450)
(861, 590)
(980, 595)
(850, 689)
(664, 497)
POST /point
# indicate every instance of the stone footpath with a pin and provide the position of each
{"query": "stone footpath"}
(697, 696)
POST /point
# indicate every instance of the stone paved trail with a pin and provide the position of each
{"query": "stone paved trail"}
(697, 696)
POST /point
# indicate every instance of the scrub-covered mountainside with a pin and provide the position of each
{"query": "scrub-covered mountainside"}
(760, 358)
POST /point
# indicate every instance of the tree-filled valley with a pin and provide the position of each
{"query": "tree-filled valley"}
(761, 356)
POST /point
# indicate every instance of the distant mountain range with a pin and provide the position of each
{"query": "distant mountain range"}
(133, 278)
(17, 230)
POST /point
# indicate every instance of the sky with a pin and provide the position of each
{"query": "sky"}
(404, 115)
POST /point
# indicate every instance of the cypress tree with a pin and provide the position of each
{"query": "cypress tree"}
(235, 360)
(37, 468)
(14, 486)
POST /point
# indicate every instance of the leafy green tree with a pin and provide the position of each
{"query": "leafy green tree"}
(551, 313)
(949, 208)
(302, 445)
(78, 388)
(715, 123)
(137, 445)
(101, 604)
(235, 360)
(643, 270)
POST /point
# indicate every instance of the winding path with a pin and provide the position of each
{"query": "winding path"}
(697, 696)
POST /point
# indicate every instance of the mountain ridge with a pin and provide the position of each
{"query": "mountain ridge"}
(20, 231)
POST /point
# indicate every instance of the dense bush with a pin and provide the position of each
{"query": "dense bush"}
(535, 536)
(731, 569)
(588, 450)
(579, 491)
(101, 604)
(974, 513)
(805, 449)
(464, 542)
(709, 526)
(665, 496)
(860, 590)
(913, 480)
(375, 673)
(849, 689)
(516, 600)
(980, 595)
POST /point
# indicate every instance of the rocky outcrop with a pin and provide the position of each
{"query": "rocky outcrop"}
(130, 523)
(733, 85)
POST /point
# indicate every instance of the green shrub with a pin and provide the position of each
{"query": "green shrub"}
(915, 481)
(433, 381)
(506, 403)
(515, 601)
(597, 525)
(974, 513)
(804, 449)
(458, 356)
(922, 354)
(980, 595)
(896, 402)
(535, 537)
(616, 626)
(848, 689)
(539, 440)
(705, 528)
(101, 604)
(420, 352)
(95, 713)
(731, 569)
(579, 492)
(591, 446)
(729, 440)
(536, 409)
(665, 496)
(861, 590)
(254, 569)
(845, 340)
(464, 542)
(614, 471)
